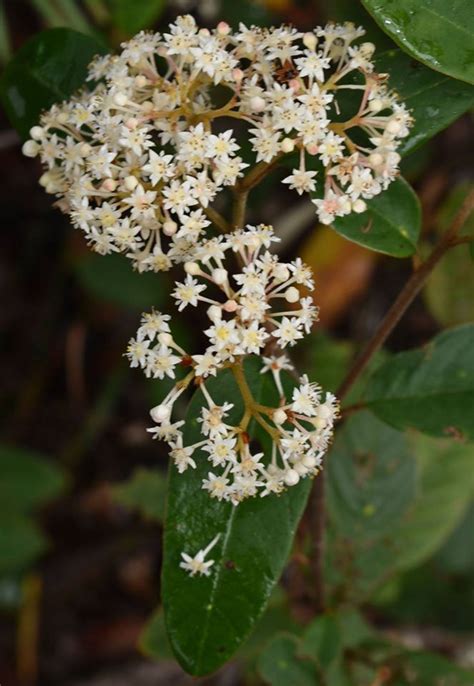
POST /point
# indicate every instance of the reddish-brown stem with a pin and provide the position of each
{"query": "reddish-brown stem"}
(316, 506)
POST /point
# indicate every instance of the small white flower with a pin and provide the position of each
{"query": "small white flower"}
(198, 564)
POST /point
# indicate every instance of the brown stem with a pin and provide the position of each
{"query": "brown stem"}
(406, 296)
(217, 219)
(316, 506)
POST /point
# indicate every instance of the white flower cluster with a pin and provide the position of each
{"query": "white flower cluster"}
(137, 161)
(245, 318)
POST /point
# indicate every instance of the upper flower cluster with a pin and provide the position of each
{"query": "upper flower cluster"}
(138, 160)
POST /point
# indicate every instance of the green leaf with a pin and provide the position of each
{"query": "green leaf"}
(322, 641)
(428, 669)
(208, 618)
(446, 486)
(20, 543)
(438, 33)
(371, 478)
(448, 291)
(433, 99)
(131, 16)
(431, 389)
(457, 554)
(27, 480)
(280, 665)
(144, 491)
(391, 223)
(154, 641)
(112, 278)
(47, 69)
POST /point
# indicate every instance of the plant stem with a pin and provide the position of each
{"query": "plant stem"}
(217, 219)
(406, 296)
(316, 505)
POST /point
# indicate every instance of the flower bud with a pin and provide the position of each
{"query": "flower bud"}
(30, 148)
(141, 81)
(394, 126)
(169, 227)
(192, 268)
(292, 294)
(220, 276)
(160, 413)
(237, 75)
(359, 206)
(130, 183)
(310, 41)
(376, 159)
(120, 99)
(281, 272)
(291, 477)
(37, 132)
(165, 338)
(223, 28)
(257, 104)
(279, 416)
(230, 306)
(109, 185)
(375, 105)
(287, 145)
(309, 461)
(214, 313)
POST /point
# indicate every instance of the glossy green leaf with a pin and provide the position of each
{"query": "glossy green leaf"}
(112, 278)
(145, 491)
(21, 542)
(281, 665)
(27, 480)
(438, 33)
(391, 223)
(433, 99)
(47, 69)
(208, 618)
(445, 489)
(131, 16)
(431, 389)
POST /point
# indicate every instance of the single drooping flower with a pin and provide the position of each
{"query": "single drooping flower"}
(257, 309)
(198, 564)
(138, 160)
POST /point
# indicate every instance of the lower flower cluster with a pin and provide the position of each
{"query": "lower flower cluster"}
(246, 318)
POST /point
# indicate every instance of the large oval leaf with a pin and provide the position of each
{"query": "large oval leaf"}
(391, 223)
(47, 69)
(438, 33)
(430, 389)
(433, 99)
(207, 618)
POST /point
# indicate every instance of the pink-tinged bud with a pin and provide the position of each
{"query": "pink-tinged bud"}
(109, 185)
(312, 149)
(131, 123)
(295, 85)
(170, 227)
(237, 75)
(223, 28)
(230, 306)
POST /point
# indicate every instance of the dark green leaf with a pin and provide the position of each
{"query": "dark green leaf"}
(433, 99)
(391, 223)
(131, 16)
(457, 554)
(20, 543)
(144, 491)
(47, 69)
(27, 480)
(208, 618)
(112, 278)
(280, 665)
(430, 389)
(438, 33)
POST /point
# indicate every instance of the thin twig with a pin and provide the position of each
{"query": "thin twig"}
(406, 296)
(316, 505)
